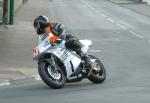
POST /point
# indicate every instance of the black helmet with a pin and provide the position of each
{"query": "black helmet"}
(41, 22)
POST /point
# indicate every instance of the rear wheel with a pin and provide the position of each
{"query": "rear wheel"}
(53, 77)
(98, 73)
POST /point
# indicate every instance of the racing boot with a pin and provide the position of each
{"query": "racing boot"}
(85, 58)
(88, 65)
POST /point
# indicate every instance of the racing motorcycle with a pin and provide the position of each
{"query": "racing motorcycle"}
(58, 65)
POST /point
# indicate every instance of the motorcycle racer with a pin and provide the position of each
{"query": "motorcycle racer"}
(56, 31)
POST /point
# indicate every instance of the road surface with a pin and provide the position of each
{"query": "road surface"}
(120, 39)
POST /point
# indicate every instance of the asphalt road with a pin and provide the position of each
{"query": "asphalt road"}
(120, 39)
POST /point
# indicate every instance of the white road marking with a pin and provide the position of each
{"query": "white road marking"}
(4, 83)
(125, 23)
(95, 51)
(37, 77)
(121, 26)
(135, 34)
(96, 10)
(112, 21)
(90, 7)
(106, 40)
(109, 19)
(105, 16)
(117, 39)
(114, 1)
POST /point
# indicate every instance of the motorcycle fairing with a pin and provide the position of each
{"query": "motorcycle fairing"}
(70, 60)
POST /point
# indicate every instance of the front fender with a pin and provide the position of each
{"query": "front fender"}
(47, 58)
(43, 57)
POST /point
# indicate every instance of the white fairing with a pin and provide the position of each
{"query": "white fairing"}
(86, 44)
(70, 60)
(44, 45)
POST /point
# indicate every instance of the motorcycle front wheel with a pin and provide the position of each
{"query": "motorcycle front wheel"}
(97, 75)
(54, 78)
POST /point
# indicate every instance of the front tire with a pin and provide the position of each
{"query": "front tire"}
(100, 76)
(55, 81)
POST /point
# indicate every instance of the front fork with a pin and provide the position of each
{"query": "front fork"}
(95, 67)
(51, 61)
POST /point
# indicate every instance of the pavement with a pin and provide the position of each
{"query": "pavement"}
(18, 40)
(17, 60)
(16, 53)
(142, 8)
(139, 8)
(121, 41)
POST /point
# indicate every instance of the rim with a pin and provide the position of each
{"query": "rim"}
(53, 74)
(97, 68)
